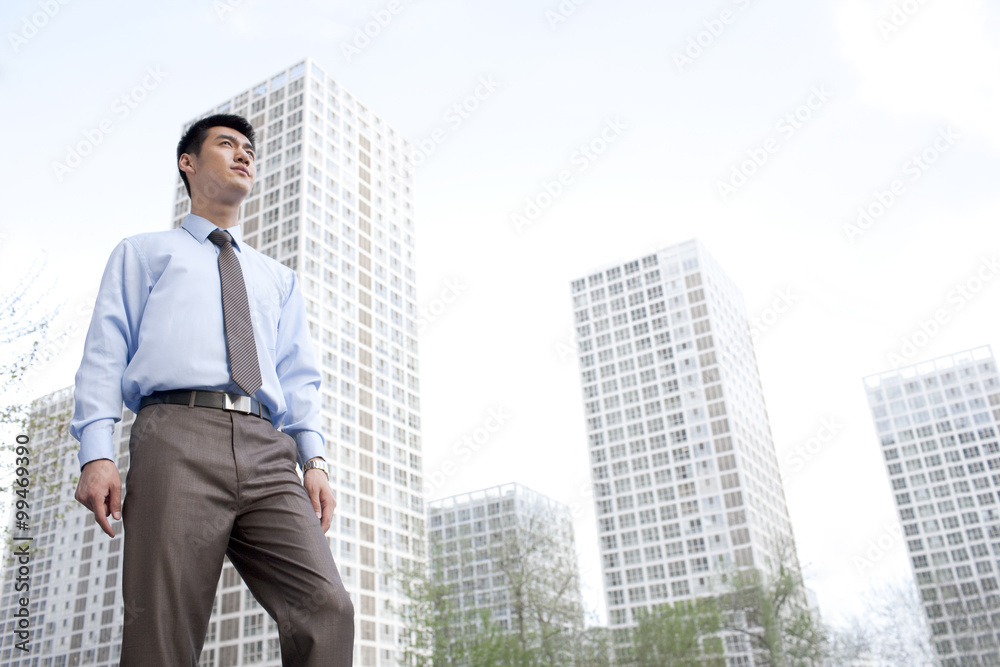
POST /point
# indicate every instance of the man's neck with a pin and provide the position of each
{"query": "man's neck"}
(221, 215)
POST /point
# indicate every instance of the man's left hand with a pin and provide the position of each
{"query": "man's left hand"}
(318, 488)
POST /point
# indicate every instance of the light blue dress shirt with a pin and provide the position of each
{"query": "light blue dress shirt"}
(157, 326)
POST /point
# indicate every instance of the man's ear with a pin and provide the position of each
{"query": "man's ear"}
(187, 163)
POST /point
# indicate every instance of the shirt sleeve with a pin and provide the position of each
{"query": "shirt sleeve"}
(110, 343)
(299, 377)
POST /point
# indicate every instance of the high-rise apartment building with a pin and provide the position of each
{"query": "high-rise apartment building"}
(686, 481)
(937, 426)
(70, 577)
(333, 201)
(485, 544)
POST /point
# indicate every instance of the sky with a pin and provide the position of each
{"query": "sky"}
(838, 158)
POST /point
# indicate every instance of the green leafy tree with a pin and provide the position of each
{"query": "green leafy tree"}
(766, 612)
(25, 343)
(544, 626)
(771, 611)
(24, 331)
(592, 647)
(430, 617)
(543, 582)
(682, 634)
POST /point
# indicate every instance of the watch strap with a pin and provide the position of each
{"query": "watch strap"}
(318, 464)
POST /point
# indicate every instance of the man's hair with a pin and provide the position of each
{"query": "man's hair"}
(194, 138)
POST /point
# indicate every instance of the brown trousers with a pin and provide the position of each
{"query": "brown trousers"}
(204, 483)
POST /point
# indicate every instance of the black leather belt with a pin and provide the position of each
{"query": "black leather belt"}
(208, 399)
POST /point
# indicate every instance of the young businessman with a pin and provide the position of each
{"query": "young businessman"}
(207, 341)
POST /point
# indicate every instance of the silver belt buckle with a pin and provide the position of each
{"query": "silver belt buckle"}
(237, 403)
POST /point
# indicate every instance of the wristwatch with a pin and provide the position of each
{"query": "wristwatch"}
(316, 463)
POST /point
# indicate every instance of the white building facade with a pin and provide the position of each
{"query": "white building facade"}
(937, 426)
(73, 574)
(685, 477)
(333, 201)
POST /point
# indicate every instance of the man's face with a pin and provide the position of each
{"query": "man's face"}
(225, 168)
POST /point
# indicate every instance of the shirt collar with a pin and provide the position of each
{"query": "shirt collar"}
(200, 228)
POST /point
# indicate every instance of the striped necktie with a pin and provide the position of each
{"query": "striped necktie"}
(243, 363)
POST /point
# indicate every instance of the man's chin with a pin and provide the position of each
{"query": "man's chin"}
(237, 192)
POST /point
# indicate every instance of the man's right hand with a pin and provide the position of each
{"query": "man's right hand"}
(100, 491)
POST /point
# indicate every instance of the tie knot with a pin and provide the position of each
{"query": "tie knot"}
(220, 238)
